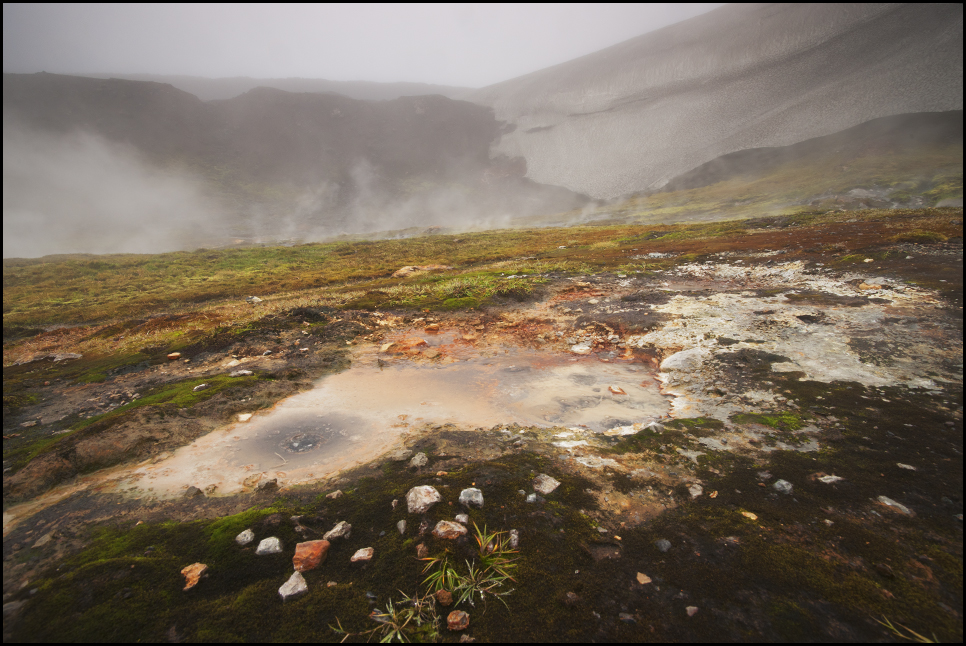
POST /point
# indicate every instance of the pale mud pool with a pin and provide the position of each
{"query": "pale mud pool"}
(355, 416)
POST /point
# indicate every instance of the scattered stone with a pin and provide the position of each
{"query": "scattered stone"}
(364, 554)
(532, 498)
(783, 486)
(448, 529)
(240, 373)
(663, 544)
(193, 573)
(616, 390)
(267, 485)
(581, 348)
(458, 620)
(749, 515)
(401, 526)
(43, 540)
(193, 491)
(571, 599)
(830, 479)
(309, 555)
(201, 387)
(906, 466)
(331, 584)
(254, 300)
(444, 597)
(419, 460)
(889, 502)
(245, 537)
(334, 495)
(867, 286)
(463, 519)
(421, 498)
(424, 527)
(295, 586)
(627, 618)
(342, 529)
(30, 424)
(544, 484)
(385, 346)
(695, 490)
(270, 545)
(409, 270)
(422, 551)
(643, 579)
(691, 610)
(514, 538)
(471, 498)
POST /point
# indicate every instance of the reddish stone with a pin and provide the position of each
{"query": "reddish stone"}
(309, 555)
(193, 573)
(444, 597)
(458, 620)
(448, 529)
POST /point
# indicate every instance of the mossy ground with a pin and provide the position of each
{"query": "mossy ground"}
(787, 575)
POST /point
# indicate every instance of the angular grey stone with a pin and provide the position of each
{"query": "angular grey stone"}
(295, 586)
(342, 529)
(471, 497)
(193, 491)
(245, 537)
(267, 485)
(663, 544)
(270, 545)
(419, 460)
(421, 498)
(544, 484)
(463, 519)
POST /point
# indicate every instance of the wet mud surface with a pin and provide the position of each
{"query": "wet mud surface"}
(769, 434)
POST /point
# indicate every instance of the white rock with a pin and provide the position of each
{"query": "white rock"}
(471, 498)
(200, 387)
(889, 502)
(695, 490)
(421, 498)
(544, 484)
(295, 586)
(365, 554)
(244, 417)
(830, 479)
(270, 545)
(514, 538)
(401, 526)
(342, 529)
(581, 348)
(419, 460)
(245, 537)
(463, 519)
(685, 361)
(241, 373)
(905, 466)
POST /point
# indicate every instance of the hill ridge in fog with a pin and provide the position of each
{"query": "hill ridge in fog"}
(630, 117)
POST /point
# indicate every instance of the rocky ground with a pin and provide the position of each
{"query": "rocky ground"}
(804, 481)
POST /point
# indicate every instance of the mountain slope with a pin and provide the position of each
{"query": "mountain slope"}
(630, 117)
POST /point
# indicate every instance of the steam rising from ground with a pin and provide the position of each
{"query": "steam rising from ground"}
(79, 193)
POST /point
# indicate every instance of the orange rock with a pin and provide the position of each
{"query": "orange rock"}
(193, 573)
(458, 620)
(433, 327)
(617, 390)
(309, 555)
(444, 597)
(174, 356)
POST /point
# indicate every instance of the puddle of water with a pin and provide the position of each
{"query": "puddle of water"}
(354, 416)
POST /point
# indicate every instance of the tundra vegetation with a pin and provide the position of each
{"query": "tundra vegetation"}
(651, 535)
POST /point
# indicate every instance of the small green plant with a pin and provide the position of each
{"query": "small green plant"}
(485, 577)
(412, 619)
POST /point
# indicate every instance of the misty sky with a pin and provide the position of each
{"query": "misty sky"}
(466, 45)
